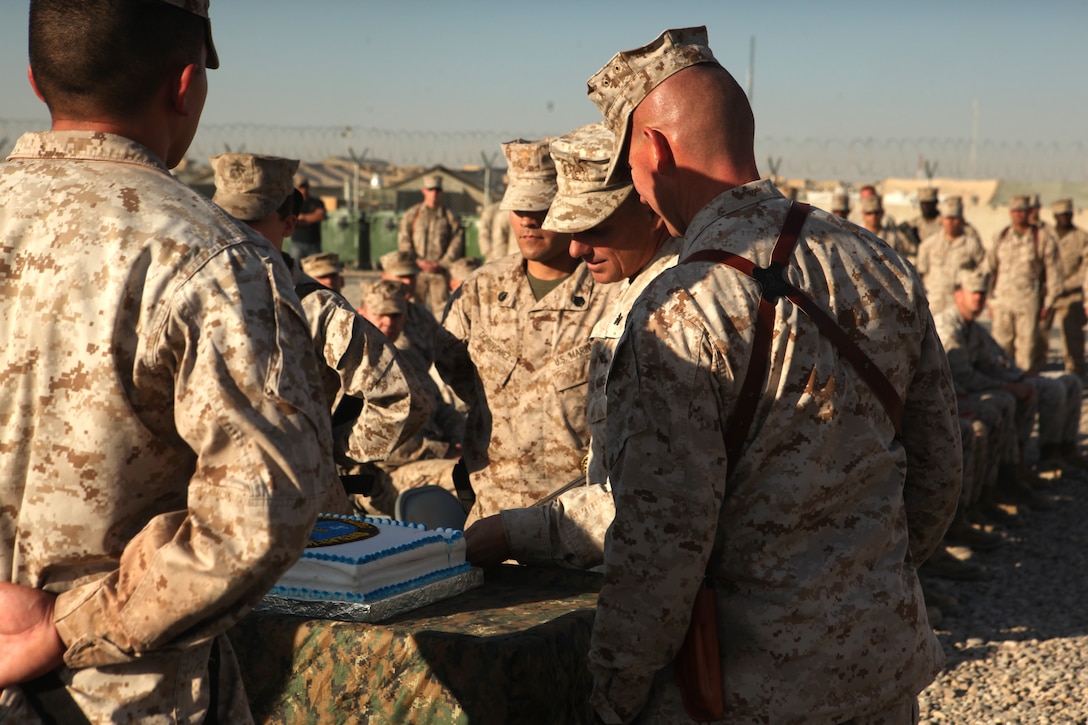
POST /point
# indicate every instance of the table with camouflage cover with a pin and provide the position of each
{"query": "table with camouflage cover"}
(512, 650)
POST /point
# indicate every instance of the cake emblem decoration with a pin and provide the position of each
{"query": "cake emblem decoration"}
(330, 531)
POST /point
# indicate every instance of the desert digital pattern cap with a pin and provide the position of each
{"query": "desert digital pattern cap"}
(399, 264)
(1019, 203)
(584, 198)
(952, 207)
(385, 297)
(323, 264)
(972, 280)
(871, 204)
(432, 181)
(252, 186)
(200, 7)
(840, 201)
(927, 194)
(623, 82)
(532, 183)
(1062, 206)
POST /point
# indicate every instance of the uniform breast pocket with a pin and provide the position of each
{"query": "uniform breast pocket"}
(494, 361)
(570, 379)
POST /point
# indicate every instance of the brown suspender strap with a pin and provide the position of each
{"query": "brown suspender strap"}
(773, 285)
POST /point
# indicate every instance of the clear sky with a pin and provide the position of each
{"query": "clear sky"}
(823, 70)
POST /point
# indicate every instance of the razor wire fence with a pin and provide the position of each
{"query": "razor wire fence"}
(849, 160)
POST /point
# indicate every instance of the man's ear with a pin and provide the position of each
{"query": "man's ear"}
(661, 151)
(182, 87)
(33, 83)
(289, 225)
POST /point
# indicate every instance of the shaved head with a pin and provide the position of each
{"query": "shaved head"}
(691, 139)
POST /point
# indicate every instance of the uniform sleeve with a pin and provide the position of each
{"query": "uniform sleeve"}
(451, 356)
(456, 248)
(922, 263)
(665, 460)
(568, 531)
(236, 349)
(1054, 275)
(370, 370)
(404, 234)
(931, 440)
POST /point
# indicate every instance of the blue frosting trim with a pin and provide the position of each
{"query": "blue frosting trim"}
(371, 596)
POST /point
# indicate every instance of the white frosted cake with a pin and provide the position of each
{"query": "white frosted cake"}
(364, 559)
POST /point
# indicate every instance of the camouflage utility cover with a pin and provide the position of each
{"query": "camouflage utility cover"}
(625, 81)
(251, 186)
(165, 442)
(827, 505)
(532, 175)
(585, 199)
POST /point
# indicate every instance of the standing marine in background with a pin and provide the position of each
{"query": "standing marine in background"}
(434, 235)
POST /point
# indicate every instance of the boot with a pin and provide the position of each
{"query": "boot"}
(1070, 453)
(1030, 480)
(1050, 457)
(962, 533)
(1013, 487)
(944, 565)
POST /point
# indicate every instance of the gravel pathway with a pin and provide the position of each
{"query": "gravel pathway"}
(1017, 644)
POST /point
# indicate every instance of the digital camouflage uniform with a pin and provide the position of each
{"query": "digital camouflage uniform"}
(926, 227)
(434, 234)
(1025, 267)
(571, 529)
(938, 261)
(1069, 306)
(165, 441)
(979, 365)
(521, 365)
(357, 359)
(828, 510)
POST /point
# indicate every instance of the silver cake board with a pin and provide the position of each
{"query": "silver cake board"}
(378, 610)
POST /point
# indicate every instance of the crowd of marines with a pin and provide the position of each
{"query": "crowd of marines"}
(655, 374)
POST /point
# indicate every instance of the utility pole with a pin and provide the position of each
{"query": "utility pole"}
(751, 69)
(973, 165)
(488, 162)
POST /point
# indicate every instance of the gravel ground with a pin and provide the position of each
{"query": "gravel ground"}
(1017, 644)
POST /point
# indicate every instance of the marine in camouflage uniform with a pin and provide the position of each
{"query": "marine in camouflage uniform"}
(1069, 306)
(1027, 273)
(829, 510)
(942, 255)
(872, 219)
(435, 236)
(428, 456)
(365, 387)
(928, 221)
(519, 357)
(570, 529)
(164, 444)
(979, 365)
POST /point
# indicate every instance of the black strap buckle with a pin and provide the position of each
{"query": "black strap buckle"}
(772, 281)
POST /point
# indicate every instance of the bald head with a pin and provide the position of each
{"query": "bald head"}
(692, 138)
